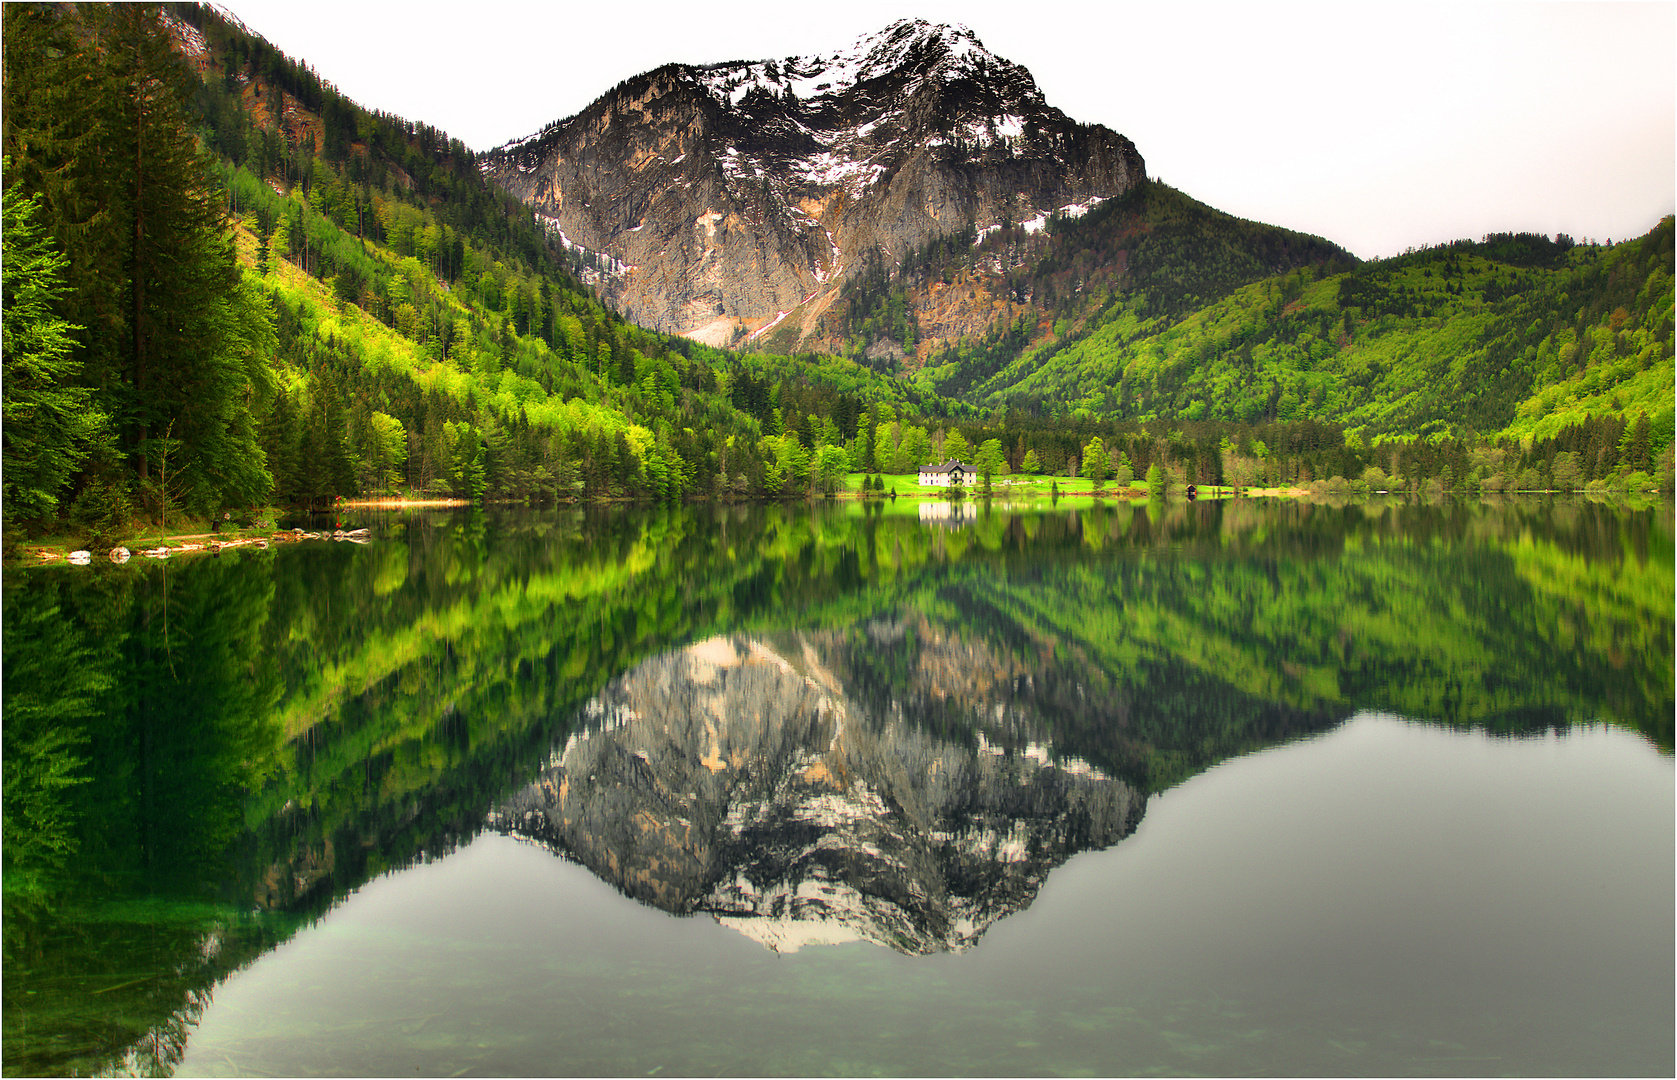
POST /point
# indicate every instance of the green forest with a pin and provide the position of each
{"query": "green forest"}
(229, 289)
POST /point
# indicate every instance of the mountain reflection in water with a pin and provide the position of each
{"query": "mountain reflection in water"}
(741, 778)
(812, 724)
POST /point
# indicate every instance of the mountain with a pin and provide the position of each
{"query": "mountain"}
(731, 197)
(913, 205)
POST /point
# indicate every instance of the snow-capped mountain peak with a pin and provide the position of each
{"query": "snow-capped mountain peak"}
(744, 193)
(905, 43)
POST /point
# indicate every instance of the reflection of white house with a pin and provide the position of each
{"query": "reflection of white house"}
(949, 474)
(946, 512)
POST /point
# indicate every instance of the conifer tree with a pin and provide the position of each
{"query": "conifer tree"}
(1157, 480)
(97, 117)
(955, 445)
(868, 435)
(56, 136)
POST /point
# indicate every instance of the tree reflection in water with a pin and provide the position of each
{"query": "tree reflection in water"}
(905, 727)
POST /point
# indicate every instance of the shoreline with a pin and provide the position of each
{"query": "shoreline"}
(174, 545)
(969, 494)
(171, 545)
(400, 503)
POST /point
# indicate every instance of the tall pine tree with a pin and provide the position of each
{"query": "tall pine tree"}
(175, 339)
(199, 337)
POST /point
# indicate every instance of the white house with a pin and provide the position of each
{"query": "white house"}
(949, 474)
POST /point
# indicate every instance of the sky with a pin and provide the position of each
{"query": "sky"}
(1380, 126)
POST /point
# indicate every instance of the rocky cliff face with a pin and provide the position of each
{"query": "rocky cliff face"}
(743, 780)
(735, 198)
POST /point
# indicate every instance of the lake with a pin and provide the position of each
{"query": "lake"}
(1218, 788)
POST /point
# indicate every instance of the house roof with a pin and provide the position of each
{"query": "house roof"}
(948, 466)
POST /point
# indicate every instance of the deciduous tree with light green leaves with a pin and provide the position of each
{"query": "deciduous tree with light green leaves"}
(388, 450)
(1095, 465)
(990, 460)
(785, 465)
(469, 479)
(831, 463)
(916, 445)
(51, 424)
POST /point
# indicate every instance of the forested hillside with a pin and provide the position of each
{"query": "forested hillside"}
(1516, 333)
(227, 288)
(1153, 252)
(228, 285)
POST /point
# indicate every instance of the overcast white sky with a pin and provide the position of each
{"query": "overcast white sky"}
(1379, 126)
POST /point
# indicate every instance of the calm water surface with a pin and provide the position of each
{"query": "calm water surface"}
(1192, 789)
